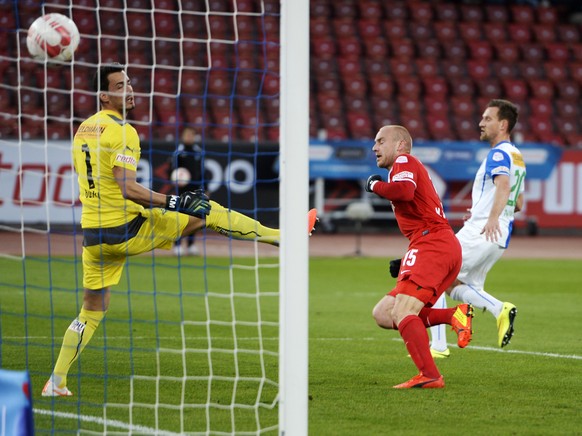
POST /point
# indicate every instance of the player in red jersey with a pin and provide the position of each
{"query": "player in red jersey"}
(431, 263)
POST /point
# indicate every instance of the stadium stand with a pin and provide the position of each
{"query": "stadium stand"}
(413, 62)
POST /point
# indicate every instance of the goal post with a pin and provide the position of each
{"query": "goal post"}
(294, 186)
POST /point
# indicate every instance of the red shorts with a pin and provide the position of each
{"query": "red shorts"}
(432, 263)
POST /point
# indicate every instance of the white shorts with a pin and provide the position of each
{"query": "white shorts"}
(479, 256)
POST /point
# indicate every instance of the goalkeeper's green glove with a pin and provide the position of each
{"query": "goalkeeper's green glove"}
(195, 203)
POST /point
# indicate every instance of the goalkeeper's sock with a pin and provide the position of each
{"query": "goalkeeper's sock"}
(415, 337)
(76, 337)
(478, 298)
(239, 226)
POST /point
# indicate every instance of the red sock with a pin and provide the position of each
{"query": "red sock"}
(431, 317)
(416, 339)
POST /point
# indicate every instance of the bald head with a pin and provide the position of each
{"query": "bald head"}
(390, 142)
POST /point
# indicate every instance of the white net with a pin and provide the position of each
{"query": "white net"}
(189, 344)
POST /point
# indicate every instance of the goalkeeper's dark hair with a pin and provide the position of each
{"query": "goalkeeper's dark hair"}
(507, 111)
(101, 76)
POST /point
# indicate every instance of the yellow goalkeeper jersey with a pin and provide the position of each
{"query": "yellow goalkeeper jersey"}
(103, 141)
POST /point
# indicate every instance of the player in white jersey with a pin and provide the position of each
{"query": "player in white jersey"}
(497, 195)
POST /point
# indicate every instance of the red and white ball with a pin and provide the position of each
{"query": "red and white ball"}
(53, 37)
(181, 176)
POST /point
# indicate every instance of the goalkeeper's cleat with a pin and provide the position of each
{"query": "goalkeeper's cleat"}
(462, 323)
(420, 381)
(51, 390)
(505, 323)
(440, 354)
(312, 221)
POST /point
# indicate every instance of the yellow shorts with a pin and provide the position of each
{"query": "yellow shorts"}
(103, 262)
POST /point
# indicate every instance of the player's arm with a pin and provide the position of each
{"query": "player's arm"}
(134, 191)
(195, 203)
(396, 191)
(492, 230)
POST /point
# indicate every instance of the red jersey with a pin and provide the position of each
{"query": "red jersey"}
(424, 211)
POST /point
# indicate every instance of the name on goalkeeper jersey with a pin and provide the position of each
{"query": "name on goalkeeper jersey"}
(91, 129)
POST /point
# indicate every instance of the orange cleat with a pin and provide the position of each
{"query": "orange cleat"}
(312, 221)
(462, 323)
(423, 382)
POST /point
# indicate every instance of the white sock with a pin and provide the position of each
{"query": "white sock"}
(478, 298)
(438, 333)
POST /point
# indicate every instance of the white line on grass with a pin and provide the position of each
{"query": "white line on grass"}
(105, 422)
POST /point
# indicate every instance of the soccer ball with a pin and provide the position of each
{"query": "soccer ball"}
(181, 176)
(54, 37)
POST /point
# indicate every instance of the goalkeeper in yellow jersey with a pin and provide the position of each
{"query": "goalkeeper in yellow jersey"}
(122, 218)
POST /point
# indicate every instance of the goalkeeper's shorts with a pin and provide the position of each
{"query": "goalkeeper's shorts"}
(105, 250)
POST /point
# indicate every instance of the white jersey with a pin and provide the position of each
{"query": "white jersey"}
(503, 159)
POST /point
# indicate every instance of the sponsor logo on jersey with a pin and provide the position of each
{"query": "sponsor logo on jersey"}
(401, 159)
(517, 159)
(126, 159)
(403, 175)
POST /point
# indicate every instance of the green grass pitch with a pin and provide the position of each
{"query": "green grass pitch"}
(531, 387)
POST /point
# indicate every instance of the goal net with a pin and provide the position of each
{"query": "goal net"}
(214, 343)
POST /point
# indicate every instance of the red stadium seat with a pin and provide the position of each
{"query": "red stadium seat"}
(323, 67)
(453, 70)
(436, 105)
(420, 12)
(576, 49)
(319, 27)
(519, 32)
(370, 10)
(396, 10)
(541, 88)
(345, 9)
(567, 108)
(547, 15)
(445, 31)
(576, 71)
(395, 29)
(455, 50)
(427, 67)
(466, 128)
(470, 31)
(489, 88)
(428, 49)
(328, 84)
(335, 126)
(515, 89)
(323, 48)
(435, 86)
(497, 14)
(357, 105)
(375, 67)
(479, 70)
(555, 72)
(462, 86)
(408, 86)
(463, 106)
(522, 14)
(369, 28)
(360, 126)
(481, 50)
(382, 106)
(567, 126)
(544, 33)
(402, 68)
(350, 48)
(532, 52)
(421, 32)
(504, 70)
(568, 33)
(343, 28)
(381, 86)
(355, 86)
(568, 90)
(541, 107)
(402, 48)
(530, 70)
(415, 125)
(446, 12)
(376, 49)
(507, 51)
(349, 67)
(439, 127)
(495, 31)
(410, 107)
(329, 104)
(472, 13)
(557, 51)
